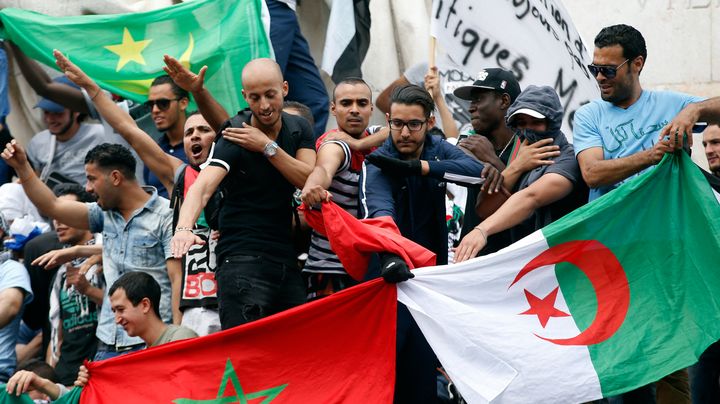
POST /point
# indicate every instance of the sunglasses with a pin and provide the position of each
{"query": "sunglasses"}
(608, 71)
(413, 126)
(163, 103)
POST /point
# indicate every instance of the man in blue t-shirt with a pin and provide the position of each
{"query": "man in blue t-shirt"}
(630, 129)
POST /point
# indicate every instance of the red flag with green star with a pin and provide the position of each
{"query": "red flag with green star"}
(124, 52)
(338, 349)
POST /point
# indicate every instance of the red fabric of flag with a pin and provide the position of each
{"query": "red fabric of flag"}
(353, 239)
(340, 349)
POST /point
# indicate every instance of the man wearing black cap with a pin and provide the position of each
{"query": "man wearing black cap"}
(58, 153)
(490, 96)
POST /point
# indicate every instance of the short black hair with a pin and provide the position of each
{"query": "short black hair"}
(353, 81)
(303, 109)
(629, 38)
(137, 286)
(40, 368)
(113, 157)
(410, 94)
(73, 189)
(165, 79)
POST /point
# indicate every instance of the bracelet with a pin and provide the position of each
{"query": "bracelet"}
(177, 229)
(481, 231)
(96, 94)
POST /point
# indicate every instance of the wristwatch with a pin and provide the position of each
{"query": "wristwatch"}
(270, 149)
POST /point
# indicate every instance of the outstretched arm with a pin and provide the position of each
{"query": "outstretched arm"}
(195, 200)
(44, 86)
(160, 163)
(72, 213)
(598, 172)
(210, 109)
(546, 190)
(329, 158)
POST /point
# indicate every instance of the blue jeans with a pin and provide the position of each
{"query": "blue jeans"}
(250, 288)
(298, 67)
(105, 352)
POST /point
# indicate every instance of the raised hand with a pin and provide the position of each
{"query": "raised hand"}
(74, 73)
(15, 156)
(182, 76)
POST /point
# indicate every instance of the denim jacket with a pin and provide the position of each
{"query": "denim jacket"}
(140, 244)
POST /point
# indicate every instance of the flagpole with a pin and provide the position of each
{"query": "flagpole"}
(431, 56)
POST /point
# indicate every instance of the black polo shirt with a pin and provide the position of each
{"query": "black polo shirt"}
(256, 214)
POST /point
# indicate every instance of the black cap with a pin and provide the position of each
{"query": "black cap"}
(496, 79)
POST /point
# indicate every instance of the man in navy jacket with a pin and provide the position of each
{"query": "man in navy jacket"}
(405, 179)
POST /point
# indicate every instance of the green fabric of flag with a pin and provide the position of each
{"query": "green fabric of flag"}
(124, 52)
(6, 398)
(72, 397)
(666, 252)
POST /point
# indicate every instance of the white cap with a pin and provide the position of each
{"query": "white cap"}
(527, 111)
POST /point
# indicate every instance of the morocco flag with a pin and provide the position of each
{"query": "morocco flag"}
(615, 295)
(339, 349)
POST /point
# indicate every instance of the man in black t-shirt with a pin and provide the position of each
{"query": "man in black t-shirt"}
(267, 154)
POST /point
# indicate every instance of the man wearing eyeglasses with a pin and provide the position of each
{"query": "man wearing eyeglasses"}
(630, 129)
(167, 103)
(406, 180)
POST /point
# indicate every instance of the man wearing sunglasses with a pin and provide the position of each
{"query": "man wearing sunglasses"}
(630, 129)
(167, 103)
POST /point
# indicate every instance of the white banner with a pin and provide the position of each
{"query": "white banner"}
(535, 39)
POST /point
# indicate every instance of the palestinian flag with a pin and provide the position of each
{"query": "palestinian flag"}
(616, 295)
(347, 39)
(124, 52)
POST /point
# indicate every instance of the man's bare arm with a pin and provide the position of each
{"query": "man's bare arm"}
(174, 269)
(383, 99)
(44, 86)
(211, 110)
(72, 213)
(329, 158)
(598, 172)
(160, 163)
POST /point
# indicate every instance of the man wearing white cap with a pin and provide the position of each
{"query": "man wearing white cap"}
(540, 195)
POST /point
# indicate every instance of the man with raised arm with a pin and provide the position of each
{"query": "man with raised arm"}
(135, 223)
(198, 299)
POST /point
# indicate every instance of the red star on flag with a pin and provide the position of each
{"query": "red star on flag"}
(543, 308)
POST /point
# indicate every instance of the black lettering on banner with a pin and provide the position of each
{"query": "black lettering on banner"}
(565, 92)
(517, 67)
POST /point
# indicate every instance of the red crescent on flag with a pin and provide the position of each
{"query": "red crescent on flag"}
(607, 277)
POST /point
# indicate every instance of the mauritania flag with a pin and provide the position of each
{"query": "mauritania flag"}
(613, 296)
(124, 52)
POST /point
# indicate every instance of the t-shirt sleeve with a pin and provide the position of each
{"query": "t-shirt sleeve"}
(14, 275)
(416, 73)
(585, 131)
(225, 154)
(566, 165)
(347, 154)
(96, 219)
(307, 139)
(689, 99)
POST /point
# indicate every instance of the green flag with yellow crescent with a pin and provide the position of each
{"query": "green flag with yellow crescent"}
(124, 52)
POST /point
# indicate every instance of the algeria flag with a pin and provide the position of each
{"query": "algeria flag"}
(613, 296)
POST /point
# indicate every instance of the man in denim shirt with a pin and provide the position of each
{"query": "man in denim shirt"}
(136, 227)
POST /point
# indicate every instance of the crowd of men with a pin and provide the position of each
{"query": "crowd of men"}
(170, 225)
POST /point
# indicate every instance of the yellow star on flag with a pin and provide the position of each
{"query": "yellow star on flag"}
(129, 50)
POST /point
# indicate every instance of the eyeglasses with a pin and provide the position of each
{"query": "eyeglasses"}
(163, 103)
(608, 71)
(413, 126)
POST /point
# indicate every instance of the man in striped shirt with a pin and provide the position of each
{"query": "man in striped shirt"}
(336, 175)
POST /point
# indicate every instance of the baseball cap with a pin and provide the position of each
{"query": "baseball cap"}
(51, 106)
(496, 79)
(526, 111)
